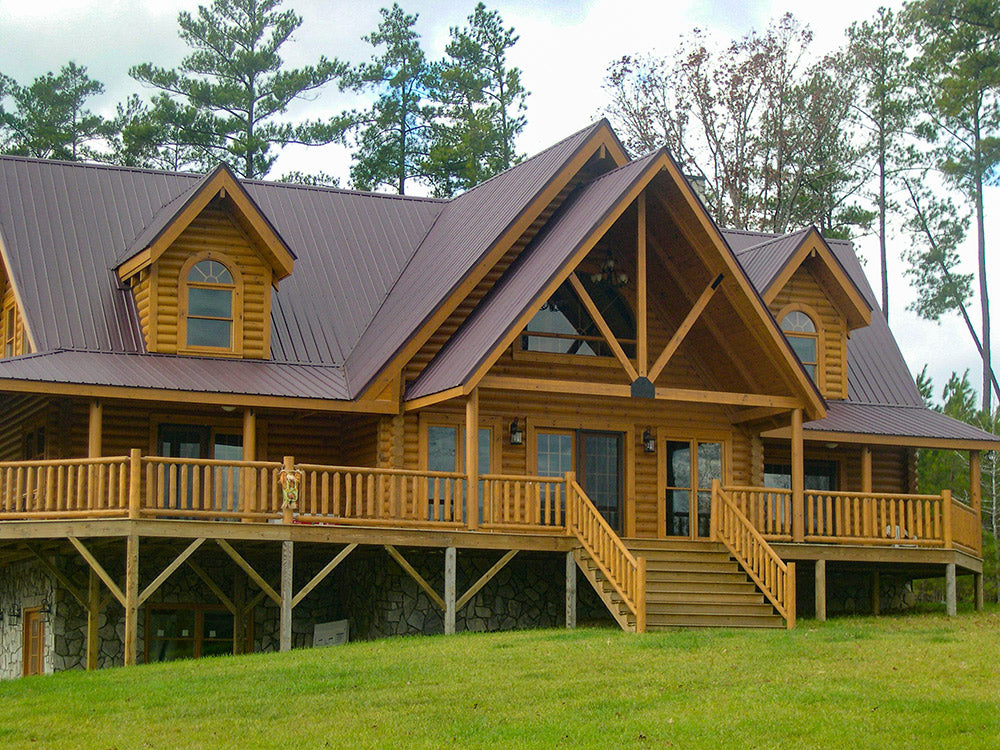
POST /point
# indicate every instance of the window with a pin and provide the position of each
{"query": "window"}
(187, 631)
(819, 475)
(34, 444)
(210, 297)
(691, 467)
(555, 453)
(9, 330)
(201, 441)
(446, 452)
(800, 330)
(563, 325)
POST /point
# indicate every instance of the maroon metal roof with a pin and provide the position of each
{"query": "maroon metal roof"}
(524, 281)
(764, 261)
(464, 232)
(895, 420)
(245, 377)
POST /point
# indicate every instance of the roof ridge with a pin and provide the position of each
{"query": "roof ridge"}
(775, 238)
(344, 191)
(100, 165)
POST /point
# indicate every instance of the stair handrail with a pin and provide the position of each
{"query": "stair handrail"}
(773, 576)
(623, 570)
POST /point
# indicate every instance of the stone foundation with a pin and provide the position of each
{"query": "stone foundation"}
(850, 592)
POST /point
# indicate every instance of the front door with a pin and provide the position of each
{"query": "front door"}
(691, 467)
(596, 457)
(34, 642)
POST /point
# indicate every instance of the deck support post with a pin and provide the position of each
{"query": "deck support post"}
(570, 589)
(798, 479)
(450, 565)
(950, 590)
(93, 618)
(472, 460)
(131, 598)
(821, 590)
(94, 429)
(239, 617)
(285, 621)
(977, 586)
(876, 594)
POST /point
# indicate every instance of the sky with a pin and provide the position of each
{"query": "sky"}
(564, 50)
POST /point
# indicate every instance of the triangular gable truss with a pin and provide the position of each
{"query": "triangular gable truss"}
(453, 372)
(177, 215)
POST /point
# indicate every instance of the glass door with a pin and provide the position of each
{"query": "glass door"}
(691, 467)
(600, 473)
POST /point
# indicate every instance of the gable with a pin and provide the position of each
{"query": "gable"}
(15, 338)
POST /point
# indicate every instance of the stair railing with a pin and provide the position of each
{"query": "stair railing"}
(623, 570)
(773, 576)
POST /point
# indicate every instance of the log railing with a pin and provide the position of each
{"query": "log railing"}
(877, 518)
(773, 576)
(514, 502)
(65, 488)
(966, 528)
(769, 509)
(623, 570)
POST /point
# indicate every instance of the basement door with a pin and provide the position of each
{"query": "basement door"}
(34, 642)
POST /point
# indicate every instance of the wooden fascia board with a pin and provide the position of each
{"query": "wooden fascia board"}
(829, 436)
(848, 301)
(569, 267)
(196, 397)
(434, 398)
(603, 137)
(17, 293)
(815, 407)
(248, 214)
(689, 395)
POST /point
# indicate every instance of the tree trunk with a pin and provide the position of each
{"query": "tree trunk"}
(984, 298)
(881, 221)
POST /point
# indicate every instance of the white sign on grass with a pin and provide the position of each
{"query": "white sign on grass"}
(331, 633)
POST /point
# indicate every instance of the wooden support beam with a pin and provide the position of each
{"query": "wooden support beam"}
(876, 594)
(641, 327)
(321, 576)
(59, 576)
(603, 327)
(169, 570)
(571, 589)
(285, 620)
(472, 461)
(485, 578)
(450, 566)
(950, 590)
(131, 599)
(94, 429)
(248, 569)
(214, 587)
(93, 619)
(246, 498)
(798, 479)
(684, 328)
(866, 468)
(412, 572)
(975, 482)
(239, 620)
(99, 570)
(757, 413)
(821, 590)
(977, 586)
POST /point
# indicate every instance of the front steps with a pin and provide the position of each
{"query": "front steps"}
(689, 584)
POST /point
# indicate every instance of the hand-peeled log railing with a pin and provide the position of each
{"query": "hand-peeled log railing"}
(773, 576)
(65, 488)
(625, 571)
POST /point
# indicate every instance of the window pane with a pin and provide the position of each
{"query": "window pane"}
(210, 303)
(709, 463)
(228, 448)
(798, 321)
(441, 448)
(804, 348)
(210, 272)
(202, 332)
(573, 330)
(555, 454)
(678, 464)
(485, 435)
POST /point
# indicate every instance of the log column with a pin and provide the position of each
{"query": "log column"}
(798, 478)
(247, 485)
(866, 468)
(950, 590)
(131, 598)
(95, 429)
(821, 590)
(450, 565)
(472, 460)
(570, 590)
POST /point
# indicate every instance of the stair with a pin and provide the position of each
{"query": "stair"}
(689, 584)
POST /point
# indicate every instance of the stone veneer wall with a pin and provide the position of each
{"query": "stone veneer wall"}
(850, 593)
(23, 585)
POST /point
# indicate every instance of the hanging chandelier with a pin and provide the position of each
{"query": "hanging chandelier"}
(609, 274)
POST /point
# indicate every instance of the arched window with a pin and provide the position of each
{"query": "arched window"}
(211, 298)
(800, 330)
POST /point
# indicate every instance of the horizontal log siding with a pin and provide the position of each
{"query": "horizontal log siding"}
(215, 230)
(142, 293)
(891, 467)
(21, 343)
(804, 289)
(17, 415)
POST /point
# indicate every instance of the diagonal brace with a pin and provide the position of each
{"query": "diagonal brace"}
(685, 327)
(421, 581)
(319, 577)
(484, 579)
(99, 569)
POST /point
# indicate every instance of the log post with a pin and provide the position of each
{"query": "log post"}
(640, 595)
(977, 585)
(247, 488)
(450, 565)
(472, 460)
(93, 619)
(134, 483)
(946, 517)
(131, 598)
(876, 594)
(866, 468)
(975, 483)
(821, 590)
(285, 619)
(570, 589)
(287, 512)
(791, 603)
(950, 590)
(94, 429)
(798, 479)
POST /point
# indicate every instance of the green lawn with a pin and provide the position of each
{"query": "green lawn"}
(920, 681)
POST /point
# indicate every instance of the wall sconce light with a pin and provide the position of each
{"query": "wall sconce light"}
(648, 441)
(46, 608)
(516, 433)
(14, 614)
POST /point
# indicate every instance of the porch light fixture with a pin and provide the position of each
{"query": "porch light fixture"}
(14, 614)
(648, 441)
(516, 433)
(46, 608)
(609, 274)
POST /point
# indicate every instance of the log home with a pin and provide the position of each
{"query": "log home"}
(232, 411)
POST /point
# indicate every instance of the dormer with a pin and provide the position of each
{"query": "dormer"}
(814, 301)
(13, 334)
(202, 272)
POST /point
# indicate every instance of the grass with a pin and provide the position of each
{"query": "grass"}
(919, 681)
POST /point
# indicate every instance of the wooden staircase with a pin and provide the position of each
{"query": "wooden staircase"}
(688, 584)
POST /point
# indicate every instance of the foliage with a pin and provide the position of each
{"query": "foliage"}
(393, 137)
(920, 680)
(765, 131)
(49, 118)
(235, 82)
(482, 103)
(166, 134)
(958, 70)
